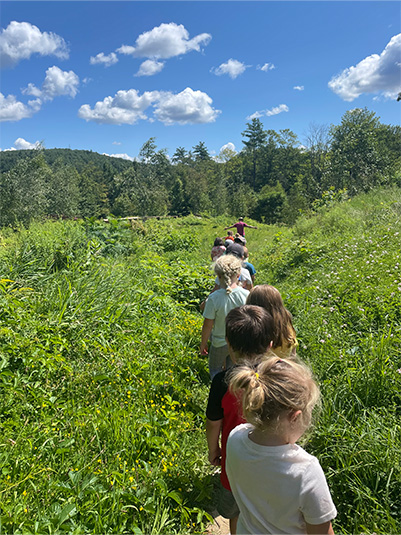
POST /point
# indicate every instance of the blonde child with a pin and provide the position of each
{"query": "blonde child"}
(278, 486)
(219, 303)
(284, 336)
(249, 334)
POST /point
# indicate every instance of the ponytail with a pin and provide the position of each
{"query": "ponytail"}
(273, 388)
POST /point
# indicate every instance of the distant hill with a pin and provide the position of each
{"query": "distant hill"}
(76, 158)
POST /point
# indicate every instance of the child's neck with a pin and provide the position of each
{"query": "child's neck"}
(268, 438)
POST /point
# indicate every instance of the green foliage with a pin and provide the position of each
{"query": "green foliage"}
(103, 391)
(270, 205)
(356, 155)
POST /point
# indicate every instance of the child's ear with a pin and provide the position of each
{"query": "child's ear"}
(294, 415)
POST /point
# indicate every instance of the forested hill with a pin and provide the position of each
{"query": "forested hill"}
(273, 179)
(75, 158)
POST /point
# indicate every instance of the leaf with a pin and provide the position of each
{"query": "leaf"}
(68, 511)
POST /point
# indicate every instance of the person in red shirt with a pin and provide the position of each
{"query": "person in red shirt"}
(240, 226)
(249, 334)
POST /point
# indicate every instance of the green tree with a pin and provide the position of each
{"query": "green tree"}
(24, 190)
(270, 205)
(93, 200)
(355, 159)
(256, 139)
(63, 191)
(201, 153)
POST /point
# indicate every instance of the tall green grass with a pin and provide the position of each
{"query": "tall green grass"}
(103, 392)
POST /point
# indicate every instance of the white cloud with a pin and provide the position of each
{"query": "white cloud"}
(228, 146)
(22, 144)
(277, 110)
(116, 143)
(165, 41)
(268, 113)
(21, 39)
(128, 107)
(266, 67)
(107, 61)
(375, 73)
(122, 156)
(13, 110)
(56, 83)
(298, 87)
(256, 115)
(150, 67)
(187, 107)
(233, 68)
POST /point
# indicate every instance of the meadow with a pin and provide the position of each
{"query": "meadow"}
(103, 392)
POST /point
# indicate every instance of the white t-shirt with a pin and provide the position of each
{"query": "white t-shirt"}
(277, 488)
(218, 305)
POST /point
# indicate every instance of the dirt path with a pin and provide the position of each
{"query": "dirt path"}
(220, 525)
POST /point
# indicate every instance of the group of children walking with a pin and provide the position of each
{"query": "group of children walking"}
(260, 403)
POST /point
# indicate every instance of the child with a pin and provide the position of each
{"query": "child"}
(229, 295)
(249, 334)
(284, 336)
(250, 267)
(278, 486)
(218, 249)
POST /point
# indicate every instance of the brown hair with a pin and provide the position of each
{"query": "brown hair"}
(272, 388)
(269, 298)
(249, 330)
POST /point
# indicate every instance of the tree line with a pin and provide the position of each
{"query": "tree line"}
(272, 179)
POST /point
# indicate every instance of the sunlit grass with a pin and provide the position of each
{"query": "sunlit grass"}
(103, 392)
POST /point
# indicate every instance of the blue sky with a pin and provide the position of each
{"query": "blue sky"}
(107, 76)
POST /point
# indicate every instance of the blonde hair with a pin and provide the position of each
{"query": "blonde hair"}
(273, 388)
(226, 267)
(269, 297)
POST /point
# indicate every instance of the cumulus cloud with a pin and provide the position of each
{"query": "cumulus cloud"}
(57, 83)
(102, 59)
(187, 107)
(374, 74)
(128, 107)
(20, 40)
(277, 110)
(228, 146)
(150, 67)
(22, 144)
(165, 41)
(233, 68)
(13, 110)
(298, 87)
(268, 113)
(116, 143)
(122, 156)
(266, 67)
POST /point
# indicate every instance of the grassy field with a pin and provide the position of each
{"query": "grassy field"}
(103, 392)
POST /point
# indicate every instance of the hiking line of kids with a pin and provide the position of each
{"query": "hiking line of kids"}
(260, 403)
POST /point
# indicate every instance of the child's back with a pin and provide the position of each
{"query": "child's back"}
(272, 485)
(278, 486)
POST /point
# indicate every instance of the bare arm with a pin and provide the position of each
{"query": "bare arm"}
(226, 228)
(319, 529)
(213, 428)
(206, 330)
(202, 305)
